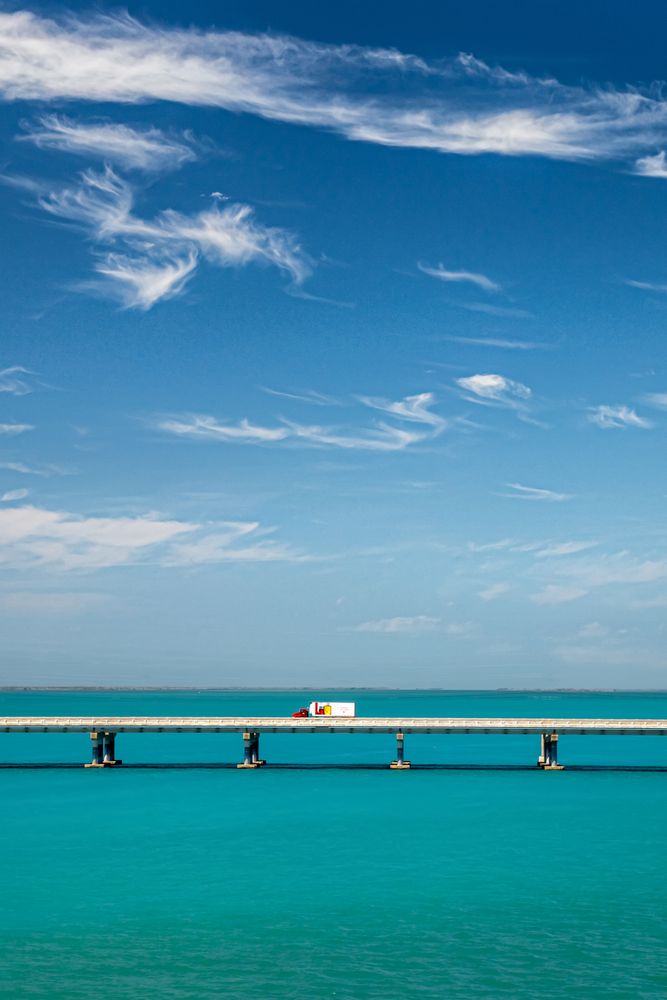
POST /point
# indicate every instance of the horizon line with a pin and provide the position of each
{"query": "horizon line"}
(257, 689)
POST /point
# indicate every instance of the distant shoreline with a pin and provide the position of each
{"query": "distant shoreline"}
(286, 690)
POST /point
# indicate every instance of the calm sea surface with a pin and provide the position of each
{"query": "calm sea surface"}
(334, 881)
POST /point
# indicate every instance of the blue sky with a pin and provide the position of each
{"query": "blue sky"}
(333, 345)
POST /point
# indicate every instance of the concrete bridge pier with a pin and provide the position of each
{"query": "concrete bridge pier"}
(251, 758)
(109, 753)
(400, 764)
(548, 759)
(104, 750)
(97, 740)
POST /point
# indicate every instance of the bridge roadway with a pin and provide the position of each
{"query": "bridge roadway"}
(330, 724)
(104, 729)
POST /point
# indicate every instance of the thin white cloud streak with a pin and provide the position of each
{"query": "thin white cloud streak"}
(13, 382)
(539, 550)
(505, 312)
(563, 549)
(415, 408)
(380, 437)
(617, 417)
(652, 166)
(152, 259)
(503, 543)
(400, 625)
(458, 105)
(307, 396)
(522, 492)
(208, 428)
(11, 430)
(565, 575)
(148, 150)
(509, 345)
(31, 537)
(35, 470)
(619, 568)
(580, 576)
(495, 591)
(593, 630)
(467, 277)
(656, 399)
(556, 594)
(10, 495)
(647, 286)
(222, 546)
(494, 390)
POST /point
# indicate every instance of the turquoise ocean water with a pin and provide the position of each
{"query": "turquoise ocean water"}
(334, 881)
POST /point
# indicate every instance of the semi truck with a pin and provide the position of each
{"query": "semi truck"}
(338, 709)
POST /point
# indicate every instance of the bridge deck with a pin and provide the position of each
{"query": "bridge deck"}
(329, 724)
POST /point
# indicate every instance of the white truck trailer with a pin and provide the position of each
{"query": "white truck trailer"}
(338, 709)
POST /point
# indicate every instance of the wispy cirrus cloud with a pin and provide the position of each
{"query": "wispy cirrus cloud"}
(504, 312)
(521, 492)
(495, 591)
(617, 417)
(615, 568)
(457, 105)
(500, 342)
(306, 396)
(559, 572)
(502, 543)
(16, 380)
(9, 496)
(557, 549)
(140, 282)
(558, 594)
(232, 542)
(149, 260)
(32, 537)
(466, 277)
(416, 409)
(652, 166)
(539, 550)
(208, 428)
(380, 436)
(149, 150)
(494, 390)
(415, 625)
(647, 286)
(11, 430)
(579, 576)
(35, 470)
(656, 399)
(593, 630)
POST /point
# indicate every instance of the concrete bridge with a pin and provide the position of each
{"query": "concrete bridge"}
(103, 730)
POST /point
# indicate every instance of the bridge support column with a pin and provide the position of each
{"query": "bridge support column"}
(400, 764)
(251, 751)
(97, 740)
(257, 760)
(109, 755)
(548, 759)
